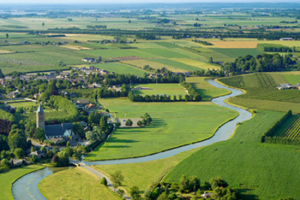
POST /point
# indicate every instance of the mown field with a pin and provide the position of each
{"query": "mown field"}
(234, 53)
(8, 178)
(76, 183)
(174, 124)
(146, 173)
(292, 79)
(245, 162)
(161, 89)
(206, 90)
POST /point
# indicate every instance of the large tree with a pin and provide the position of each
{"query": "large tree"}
(135, 193)
(19, 153)
(39, 134)
(17, 139)
(117, 179)
(78, 129)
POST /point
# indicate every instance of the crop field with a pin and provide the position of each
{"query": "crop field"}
(234, 53)
(174, 124)
(244, 161)
(111, 53)
(293, 131)
(8, 178)
(195, 63)
(75, 183)
(145, 173)
(206, 90)
(161, 88)
(292, 79)
(169, 53)
(155, 65)
(257, 80)
(167, 44)
(120, 68)
(234, 44)
(176, 64)
(145, 45)
(266, 104)
(208, 52)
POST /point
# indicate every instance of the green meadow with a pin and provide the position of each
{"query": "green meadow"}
(120, 68)
(262, 169)
(292, 79)
(176, 64)
(8, 178)
(234, 53)
(161, 88)
(174, 124)
(75, 183)
(206, 90)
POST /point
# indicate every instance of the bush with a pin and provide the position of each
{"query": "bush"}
(104, 181)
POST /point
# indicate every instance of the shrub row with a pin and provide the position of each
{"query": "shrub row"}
(282, 140)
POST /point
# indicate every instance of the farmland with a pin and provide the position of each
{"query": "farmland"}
(262, 94)
(174, 124)
(75, 183)
(146, 173)
(206, 91)
(293, 131)
(8, 178)
(168, 89)
(293, 79)
(233, 160)
(234, 53)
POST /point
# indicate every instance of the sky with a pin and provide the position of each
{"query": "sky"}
(133, 1)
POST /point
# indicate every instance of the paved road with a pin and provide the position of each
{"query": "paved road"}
(109, 183)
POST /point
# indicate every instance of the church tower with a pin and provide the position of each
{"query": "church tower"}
(40, 118)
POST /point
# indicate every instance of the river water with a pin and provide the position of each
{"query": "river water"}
(26, 188)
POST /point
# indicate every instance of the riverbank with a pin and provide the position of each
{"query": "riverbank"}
(8, 179)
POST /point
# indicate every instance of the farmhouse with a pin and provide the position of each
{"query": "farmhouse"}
(52, 131)
(38, 154)
(297, 86)
(88, 59)
(141, 88)
(82, 102)
(12, 94)
(284, 86)
(286, 39)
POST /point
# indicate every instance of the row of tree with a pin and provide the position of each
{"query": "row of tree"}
(260, 63)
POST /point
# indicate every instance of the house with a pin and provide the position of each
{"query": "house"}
(91, 106)
(97, 85)
(13, 94)
(286, 39)
(88, 59)
(297, 86)
(76, 69)
(2, 81)
(284, 86)
(82, 102)
(83, 123)
(17, 162)
(39, 154)
(90, 86)
(141, 88)
(36, 95)
(104, 72)
(58, 130)
(92, 68)
(207, 195)
(9, 78)
(56, 140)
(59, 77)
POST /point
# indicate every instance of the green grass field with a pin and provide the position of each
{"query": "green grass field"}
(76, 183)
(175, 64)
(8, 178)
(161, 88)
(206, 90)
(174, 124)
(120, 68)
(234, 53)
(155, 65)
(113, 53)
(195, 63)
(292, 79)
(145, 173)
(244, 161)
(23, 104)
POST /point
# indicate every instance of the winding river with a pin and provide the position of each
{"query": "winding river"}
(26, 188)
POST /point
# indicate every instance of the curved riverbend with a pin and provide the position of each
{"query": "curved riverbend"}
(223, 133)
(26, 188)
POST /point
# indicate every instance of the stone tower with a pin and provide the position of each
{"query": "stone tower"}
(40, 118)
